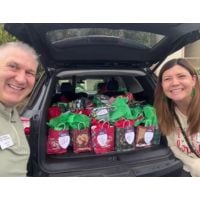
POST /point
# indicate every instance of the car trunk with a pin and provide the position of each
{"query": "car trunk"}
(155, 160)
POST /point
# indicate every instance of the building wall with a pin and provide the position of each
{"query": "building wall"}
(191, 52)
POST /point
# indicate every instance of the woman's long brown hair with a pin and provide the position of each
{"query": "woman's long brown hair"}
(165, 107)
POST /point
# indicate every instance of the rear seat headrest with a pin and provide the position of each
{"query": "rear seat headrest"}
(66, 87)
(112, 85)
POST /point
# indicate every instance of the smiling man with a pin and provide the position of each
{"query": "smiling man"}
(18, 66)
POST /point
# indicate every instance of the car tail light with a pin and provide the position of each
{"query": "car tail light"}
(26, 125)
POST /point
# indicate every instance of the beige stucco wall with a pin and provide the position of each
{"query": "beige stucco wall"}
(191, 52)
(177, 54)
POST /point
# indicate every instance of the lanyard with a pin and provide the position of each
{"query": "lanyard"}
(185, 136)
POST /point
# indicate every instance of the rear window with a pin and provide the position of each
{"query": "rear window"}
(84, 85)
(89, 85)
(143, 38)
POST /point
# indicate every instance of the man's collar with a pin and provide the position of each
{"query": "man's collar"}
(8, 112)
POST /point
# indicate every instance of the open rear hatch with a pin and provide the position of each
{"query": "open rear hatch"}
(60, 45)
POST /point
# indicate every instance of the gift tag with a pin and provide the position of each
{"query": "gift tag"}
(130, 136)
(102, 112)
(64, 140)
(148, 136)
(102, 138)
(198, 137)
(5, 141)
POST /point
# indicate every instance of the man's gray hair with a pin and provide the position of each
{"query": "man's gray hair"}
(21, 45)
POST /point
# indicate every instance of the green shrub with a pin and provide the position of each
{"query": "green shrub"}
(5, 36)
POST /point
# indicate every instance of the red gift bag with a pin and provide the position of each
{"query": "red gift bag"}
(102, 137)
(53, 111)
(81, 140)
(58, 141)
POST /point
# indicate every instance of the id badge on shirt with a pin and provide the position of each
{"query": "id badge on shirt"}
(6, 141)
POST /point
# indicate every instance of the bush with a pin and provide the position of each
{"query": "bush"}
(5, 36)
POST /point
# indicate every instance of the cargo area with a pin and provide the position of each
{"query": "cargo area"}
(94, 124)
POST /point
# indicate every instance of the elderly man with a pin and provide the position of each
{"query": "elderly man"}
(18, 66)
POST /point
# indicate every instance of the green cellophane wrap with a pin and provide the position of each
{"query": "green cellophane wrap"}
(138, 115)
(150, 116)
(70, 120)
(120, 110)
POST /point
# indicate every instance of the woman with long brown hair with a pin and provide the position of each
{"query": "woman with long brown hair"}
(177, 103)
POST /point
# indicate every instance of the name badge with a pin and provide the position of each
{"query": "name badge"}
(5, 141)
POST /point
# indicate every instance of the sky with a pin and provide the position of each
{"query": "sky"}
(99, 11)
